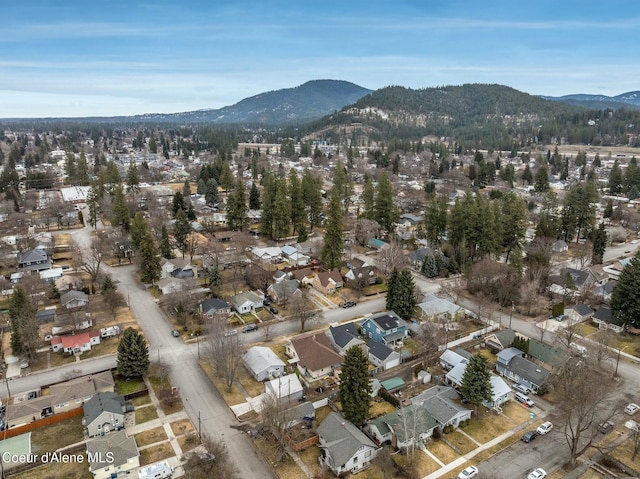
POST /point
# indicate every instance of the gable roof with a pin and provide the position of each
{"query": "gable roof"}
(341, 438)
(215, 304)
(80, 388)
(73, 295)
(315, 351)
(246, 297)
(326, 276)
(343, 334)
(582, 309)
(286, 287)
(409, 417)
(451, 357)
(379, 350)
(387, 320)
(545, 353)
(122, 447)
(604, 314)
(103, 402)
(261, 358)
(528, 370)
(438, 401)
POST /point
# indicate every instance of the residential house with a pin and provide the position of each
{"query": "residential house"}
(303, 412)
(386, 327)
(213, 306)
(606, 320)
(572, 281)
(72, 394)
(606, 290)
(542, 353)
(579, 313)
(382, 356)
(46, 315)
(403, 428)
(247, 302)
(328, 282)
(439, 401)
(280, 275)
(171, 285)
(52, 274)
(450, 359)
(363, 276)
(104, 413)
(24, 412)
(176, 268)
(500, 391)
(77, 343)
(295, 257)
(283, 291)
(34, 260)
(416, 257)
(313, 355)
(433, 307)
(263, 363)
(514, 366)
(271, 254)
(286, 387)
(560, 246)
(344, 447)
(123, 248)
(304, 275)
(112, 455)
(500, 340)
(74, 299)
(344, 336)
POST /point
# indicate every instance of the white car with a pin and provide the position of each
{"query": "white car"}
(544, 428)
(468, 473)
(538, 473)
(631, 409)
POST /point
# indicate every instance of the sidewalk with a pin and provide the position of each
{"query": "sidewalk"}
(496, 440)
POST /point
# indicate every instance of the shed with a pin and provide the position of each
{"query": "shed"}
(392, 384)
(159, 470)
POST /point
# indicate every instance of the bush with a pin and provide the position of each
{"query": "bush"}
(448, 429)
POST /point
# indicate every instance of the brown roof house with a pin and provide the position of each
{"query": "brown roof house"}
(327, 282)
(313, 355)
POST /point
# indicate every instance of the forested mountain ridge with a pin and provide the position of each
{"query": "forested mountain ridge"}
(629, 100)
(309, 101)
(475, 113)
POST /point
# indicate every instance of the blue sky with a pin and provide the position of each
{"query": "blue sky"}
(99, 58)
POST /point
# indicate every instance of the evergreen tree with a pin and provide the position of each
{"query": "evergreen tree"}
(625, 299)
(549, 218)
(386, 213)
(514, 222)
(599, 244)
(237, 207)
(107, 284)
(133, 179)
(94, 206)
(297, 201)
(541, 184)
(181, 231)
(178, 203)
(436, 220)
(527, 177)
(333, 237)
(430, 266)
(312, 196)
(401, 293)
(368, 199)
(476, 381)
(254, 197)
(355, 388)
(82, 170)
(615, 179)
(70, 167)
(139, 229)
(120, 215)
(166, 251)
(133, 354)
(268, 203)
(191, 212)
(226, 177)
(149, 261)
(211, 192)
(24, 324)
(281, 210)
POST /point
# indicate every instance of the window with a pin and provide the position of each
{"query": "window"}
(99, 427)
(367, 454)
(355, 459)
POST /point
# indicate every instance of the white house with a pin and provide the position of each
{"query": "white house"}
(263, 363)
(112, 455)
(344, 447)
(285, 387)
(247, 302)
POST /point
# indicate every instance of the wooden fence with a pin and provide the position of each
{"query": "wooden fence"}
(45, 421)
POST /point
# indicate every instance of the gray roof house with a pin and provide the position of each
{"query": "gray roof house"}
(449, 359)
(112, 455)
(579, 312)
(104, 412)
(344, 447)
(605, 320)
(74, 299)
(263, 363)
(283, 291)
(35, 259)
(247, 301)
(514, 366)
(500, 339)
(382, 355)
(344, 336)
(214, 306)
(438, 401)
(403, 428)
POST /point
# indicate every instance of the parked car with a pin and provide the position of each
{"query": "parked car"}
(175, 333)
(538, 473)
(230, 332)
(468, 473)
(348, 304)
(250, 327)
(544, 428)
(529, 436)
(631, 408)
(521, 388)
(273, 309)
(605, 427)
(524, 399)
(266, 301)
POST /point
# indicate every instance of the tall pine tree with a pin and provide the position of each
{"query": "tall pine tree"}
(333, 237)
(355, 388)
(133, 354)
(476, 381)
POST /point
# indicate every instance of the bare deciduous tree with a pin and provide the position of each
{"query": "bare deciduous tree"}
(391, 257)
(224, 352)
(302, 309)
(584, 391)
(215, 462)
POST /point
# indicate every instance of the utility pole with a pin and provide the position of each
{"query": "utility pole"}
(511, 314)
